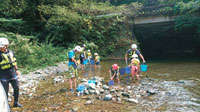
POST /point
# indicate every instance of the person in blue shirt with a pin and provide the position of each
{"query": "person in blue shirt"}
(72, 64)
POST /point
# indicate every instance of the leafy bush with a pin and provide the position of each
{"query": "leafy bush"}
(33, 55)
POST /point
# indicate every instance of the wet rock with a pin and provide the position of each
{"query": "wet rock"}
(91, 86)
(75, 109)
(58, 79)
(97, 92)
(108, 97)
(105, 87)
(129, 87)
(112, 90)
(88, 102)
(84, 80)
(101, 90)
(151, 91)
(91, 91)
(86, 92)
(98, 98)
(132, 100)
(126, 94)
(63, 89)
(119, 99)
(181, 81)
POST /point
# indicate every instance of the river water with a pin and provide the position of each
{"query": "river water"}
(176, 82)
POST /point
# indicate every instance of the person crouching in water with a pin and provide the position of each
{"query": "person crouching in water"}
(114, 71)
(135, 63)
(96, 59)
(73, 66)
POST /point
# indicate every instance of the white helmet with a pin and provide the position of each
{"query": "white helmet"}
(3, 42)
(95, 54)
(134, 56)
(88, 50)
(78, 48)
(134, 46)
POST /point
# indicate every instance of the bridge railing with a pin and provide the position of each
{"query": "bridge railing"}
(153, 10)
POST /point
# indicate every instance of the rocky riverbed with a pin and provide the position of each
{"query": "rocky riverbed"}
(47, 90)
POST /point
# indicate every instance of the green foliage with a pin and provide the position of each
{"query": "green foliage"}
(33, 55)
(189, 7)
(12, 8)
(14, 25)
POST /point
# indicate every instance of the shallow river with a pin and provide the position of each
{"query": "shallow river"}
(177, 84)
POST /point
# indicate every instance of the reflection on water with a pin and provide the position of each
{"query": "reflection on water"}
(170, 74)
(176, 83)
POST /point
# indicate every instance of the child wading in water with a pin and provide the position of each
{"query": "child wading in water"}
(96, 59)
(114, 71)
(135, 63)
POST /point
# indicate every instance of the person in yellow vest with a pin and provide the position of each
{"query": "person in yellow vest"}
(89, 55)
(96, 59)
(135, 63)
(9, 70)
(130, 52)
(82, 56)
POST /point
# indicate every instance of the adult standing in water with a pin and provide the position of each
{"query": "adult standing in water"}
(130, 52)
(9, 70)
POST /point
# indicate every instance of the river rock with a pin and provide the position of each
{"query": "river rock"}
(91, 91)
(91, 86)
(86, 92)
(97, 92)
(58, 79)
(126, 94)
(151, 91)
(88, 102)
(84, 80)
(108, 97)
(63, 89)
(132, 100)
(101, 90)
(105, 87)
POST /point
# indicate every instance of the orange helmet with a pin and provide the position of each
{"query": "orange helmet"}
(115, 66)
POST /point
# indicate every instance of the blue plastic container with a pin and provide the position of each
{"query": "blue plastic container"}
(91, 81)
(122, 71)
(128, 70)
(111, 82)
(143, 67)
(92, 62)
(81, 88)
(85, 61)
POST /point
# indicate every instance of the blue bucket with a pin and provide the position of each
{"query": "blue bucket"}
(92, 62)
(143, 67)
(91, 81)
(111, 82)
(128, 70)
(122, 71)
(81, 88)
(85, 61)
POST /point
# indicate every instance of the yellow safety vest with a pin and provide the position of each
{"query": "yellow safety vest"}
(131, 53)
(8, 61)
(89, 54)
(136, 62)
(97, 58)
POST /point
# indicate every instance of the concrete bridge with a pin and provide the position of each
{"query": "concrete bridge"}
(154, 15)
